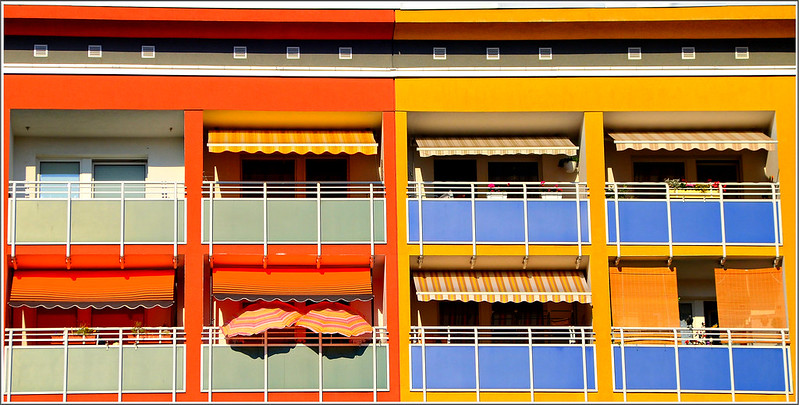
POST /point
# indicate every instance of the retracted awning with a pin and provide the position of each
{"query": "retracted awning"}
(718, 140)
(494, 145)
(502, 286)
(254, 284)
(302, 142)
(92, 288)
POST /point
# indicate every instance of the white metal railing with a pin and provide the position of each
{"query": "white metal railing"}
(307, 191)
(290, 337)
(687, 337)
(71, 192)
(513, 191)
(693, 191)
(90, 337)
(481, 336)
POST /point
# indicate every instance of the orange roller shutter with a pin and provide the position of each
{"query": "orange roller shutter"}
(750, 298)
(644, 297)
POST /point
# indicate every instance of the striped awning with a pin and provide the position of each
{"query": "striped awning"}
(291, 284)
(92, 288)
(502, 286)
(302, 142)
(718, 140)
(494, 145)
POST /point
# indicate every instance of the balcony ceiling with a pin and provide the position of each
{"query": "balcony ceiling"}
(688, 120)
(96, 123)
(495, 123)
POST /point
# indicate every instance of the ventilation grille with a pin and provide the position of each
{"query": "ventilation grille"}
(634, 53)
(492, 53)
(40, 51)
(148, 51)
(544, 53)
(688, 52)
(741, 52)
(345, 52)
(239, 52)
(95, 51)
(439, 53)
(292, 52)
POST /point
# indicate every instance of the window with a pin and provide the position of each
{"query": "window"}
(517, 314)
(741, 52)
(544, 53)
(40, 51)
(239, 52)
(457, 313)
(439, 53)
(59, 172)
(332, 172)
(292, 52)
(148, 51)
(658, 171)
(492, 53)
(688, 52)
(455, 170)
(725, 171)
(634, 53)
(345, 52)
(116, 173)
(95, 51)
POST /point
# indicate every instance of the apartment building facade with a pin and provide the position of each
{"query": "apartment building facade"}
(566, 204)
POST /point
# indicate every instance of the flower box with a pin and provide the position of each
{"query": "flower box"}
(497, 195)
(693, 193)
(551, 196)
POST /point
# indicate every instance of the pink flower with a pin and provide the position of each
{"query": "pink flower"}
(491, 185)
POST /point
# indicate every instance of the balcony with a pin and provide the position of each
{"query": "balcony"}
(705, 214)
(98, 360)
(701, 360)
(513, 213)
(295, 363)
(534, 359)
(294, 213)
(98, 212)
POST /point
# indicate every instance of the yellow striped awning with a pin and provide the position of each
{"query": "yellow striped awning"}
(494, 145)
(502, 286)
(302, 142)
(718, 140)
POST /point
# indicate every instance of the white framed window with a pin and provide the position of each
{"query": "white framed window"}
(345, 52)
(292, 52)
(239, 52)
(634, 53)
(492, 53)
(688, 52)
(59, 171)
(40, 51)
(148, 51)
(439, 53)
(118, 172)
(95, 51)
(741, 52)
(544, 53)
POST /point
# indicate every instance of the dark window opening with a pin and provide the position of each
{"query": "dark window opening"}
(463, 171)
(457, 313)
(725, 171)
(517, 314)
(332, 172)
(657, 171)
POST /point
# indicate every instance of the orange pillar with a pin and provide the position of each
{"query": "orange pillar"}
(194, 297)
(392, 297)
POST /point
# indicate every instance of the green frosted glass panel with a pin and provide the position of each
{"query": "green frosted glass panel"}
(380, 221)
(235, 368)
(96, 221)
(149, 368)
(345, 221)
(235, 220)
(293, 367)
(41, 221)
(350, 367)
(153, 221)
(92, 369)
(292, 220)
(36, 369)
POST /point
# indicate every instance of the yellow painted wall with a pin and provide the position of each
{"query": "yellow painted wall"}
(593, 96)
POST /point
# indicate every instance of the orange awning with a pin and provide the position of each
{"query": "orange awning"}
(719, 140)
(331, 284)
(644, 297)
(502, 286)
(93, 288)
(302, 142)
(750, 298)
(494, 145)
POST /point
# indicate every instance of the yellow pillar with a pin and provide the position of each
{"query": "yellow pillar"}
(594, 169)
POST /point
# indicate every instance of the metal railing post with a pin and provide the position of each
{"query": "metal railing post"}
(618, 232)
(371, 219)
(174, 363)
(69, 221)
(776, 228)
(424, 366)
(12, 220)
(526, 222)
(374, 364)
(121, 221)
(677, 363)
(476, 349)
(175, 223)
(579, 220)
(785, 366)
(623, 365)
(210, 236)
(321, 381)
(419, 197)
(732, 370)
(266, 232)
(723, 229)
(66, 364)
(8, 372)
(119, 371)
(211, 362)
(474, 229)
(266, 352)
(530, 360)
(668, 219)
(585, 370)
(319, 232)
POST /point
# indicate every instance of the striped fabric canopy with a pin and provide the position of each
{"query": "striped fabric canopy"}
(333, 317)
(718, 140)
(502, 286)
(302, 142)
(92, 288)
(494, 145)
(292, 284)
(271, 315)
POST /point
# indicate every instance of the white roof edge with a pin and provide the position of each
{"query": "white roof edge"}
(403, 5)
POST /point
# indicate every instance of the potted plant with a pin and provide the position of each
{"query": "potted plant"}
(85, 332)
(495, 193)
(138, 331)
(569, 164)
(681, 188)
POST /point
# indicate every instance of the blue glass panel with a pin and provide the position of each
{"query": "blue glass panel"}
(504, 367)
(416, 367)
(560, 367)
(446, 221)
(413, 220)
(704, 368)
(552, 221)
(643, 222)
(450, 367)
(749, 221)
(610, 210)
(647, 368)
(499, 221)
(758, 369)
(584, 228)
(696, 221)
